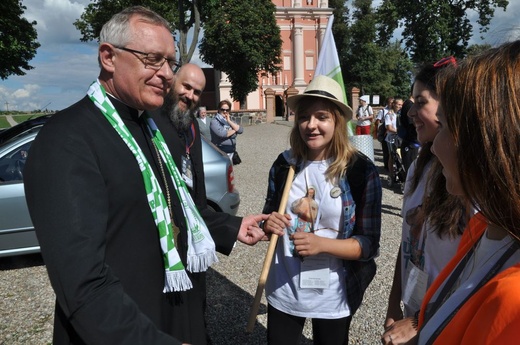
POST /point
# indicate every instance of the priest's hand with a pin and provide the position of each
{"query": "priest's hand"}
(250, 233)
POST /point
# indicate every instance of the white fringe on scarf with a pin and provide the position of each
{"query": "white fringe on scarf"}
(177, 281)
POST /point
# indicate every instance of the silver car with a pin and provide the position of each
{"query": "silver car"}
(17, 235)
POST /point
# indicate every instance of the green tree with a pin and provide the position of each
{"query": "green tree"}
(475, 49)
(433, 29)
(400, 68)
(99, 12)
(18, 39)
(373, 65)
(236, 44)
(340, 27)
(360, 64)
(368, 61)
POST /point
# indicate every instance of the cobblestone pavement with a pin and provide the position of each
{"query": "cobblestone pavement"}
(26, 299)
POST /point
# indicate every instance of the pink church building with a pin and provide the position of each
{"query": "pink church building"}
(302, 27)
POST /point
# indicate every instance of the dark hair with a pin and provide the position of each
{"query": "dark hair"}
(446, 214)
(407, 105)
(426, 76)
(221, 103)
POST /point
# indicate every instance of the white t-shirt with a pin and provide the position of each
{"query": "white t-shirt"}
(390, 119)
(363, 112)
(420, 245)
(283, 287)
(381, 114)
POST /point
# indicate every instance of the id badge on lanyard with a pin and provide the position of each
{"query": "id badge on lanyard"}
(315, 273)
(415, 287)
(187, 171)
(187, 168)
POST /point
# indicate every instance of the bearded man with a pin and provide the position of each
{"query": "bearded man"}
(177, 122)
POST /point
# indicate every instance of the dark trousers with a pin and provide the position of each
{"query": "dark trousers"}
(285, 329)
(386, 154)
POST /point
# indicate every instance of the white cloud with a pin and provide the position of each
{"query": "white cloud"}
(504, 26)
(63, 67)
(55, 19)
(28, 91)
(28, 96)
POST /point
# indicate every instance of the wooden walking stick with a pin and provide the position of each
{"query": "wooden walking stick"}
(269, 255)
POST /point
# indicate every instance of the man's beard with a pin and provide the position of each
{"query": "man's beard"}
(181, 119)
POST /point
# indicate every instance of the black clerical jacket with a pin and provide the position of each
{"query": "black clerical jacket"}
(98, 238)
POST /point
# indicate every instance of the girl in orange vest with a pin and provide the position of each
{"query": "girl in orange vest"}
(476, 299)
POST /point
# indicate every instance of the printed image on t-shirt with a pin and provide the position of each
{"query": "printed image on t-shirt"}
(414, 244)
(306, 209)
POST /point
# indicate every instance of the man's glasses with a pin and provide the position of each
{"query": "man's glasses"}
(224, 110)
(449, 60)
(154, 61)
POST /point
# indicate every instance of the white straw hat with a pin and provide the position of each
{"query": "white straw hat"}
(323, 87)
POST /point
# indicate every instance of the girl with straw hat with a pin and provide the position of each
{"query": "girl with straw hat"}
(325, 260)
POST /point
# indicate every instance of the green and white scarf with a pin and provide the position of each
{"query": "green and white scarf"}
(201, 248)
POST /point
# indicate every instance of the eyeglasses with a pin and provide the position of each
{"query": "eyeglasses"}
(224, 110)
(449, 60)
(154, 61)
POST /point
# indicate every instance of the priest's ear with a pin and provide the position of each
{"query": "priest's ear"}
(106, 57)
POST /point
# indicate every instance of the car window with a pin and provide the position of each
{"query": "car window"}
(11, 137)
(13, 163)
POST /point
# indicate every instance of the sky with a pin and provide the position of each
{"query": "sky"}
(64, 66)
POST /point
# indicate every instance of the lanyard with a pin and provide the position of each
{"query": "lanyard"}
(188, 147)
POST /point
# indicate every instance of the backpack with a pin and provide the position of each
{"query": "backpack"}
(381, 132)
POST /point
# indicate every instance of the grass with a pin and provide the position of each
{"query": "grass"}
(22, 118)
(3, 122)
(17, 118)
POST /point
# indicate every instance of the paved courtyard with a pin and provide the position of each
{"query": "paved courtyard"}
(26, 299)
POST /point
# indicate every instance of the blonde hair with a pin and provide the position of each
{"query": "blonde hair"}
(339, 148)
